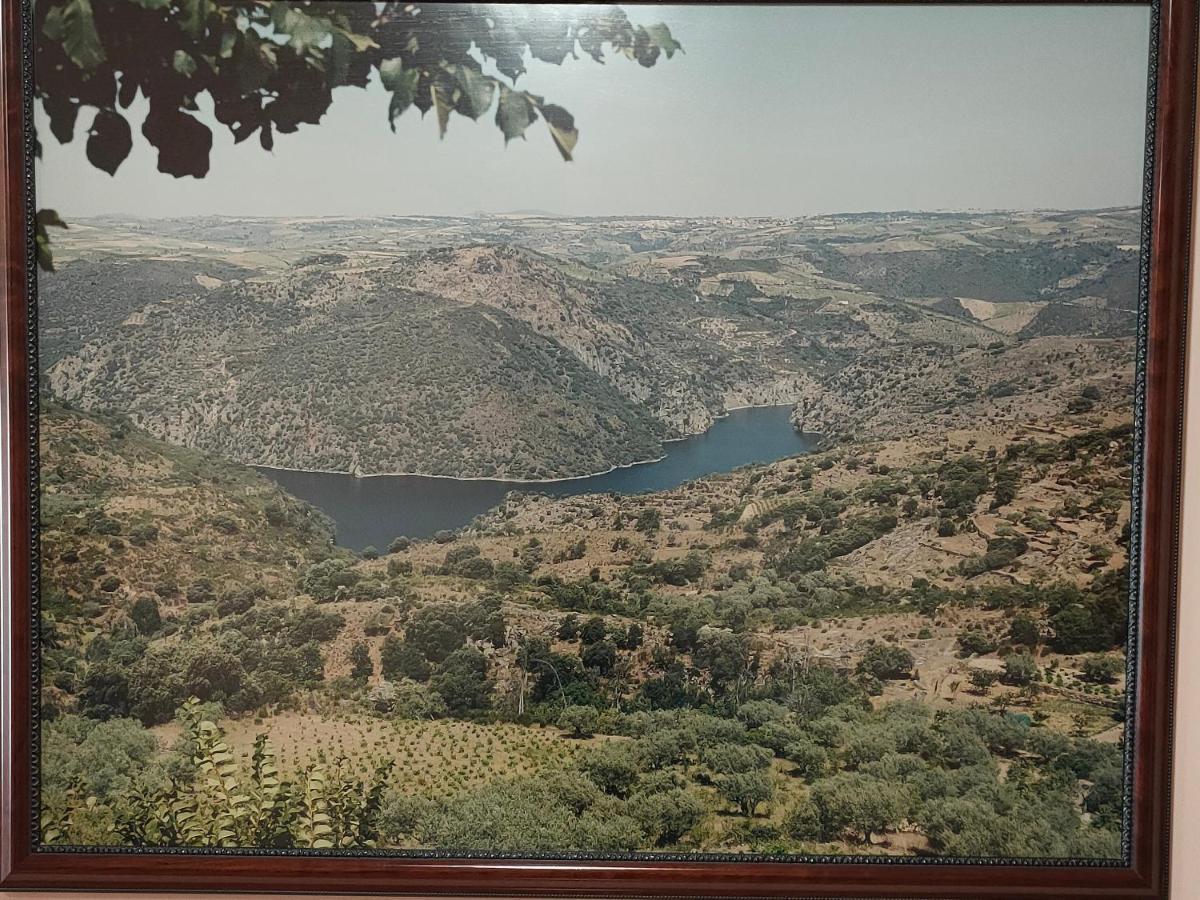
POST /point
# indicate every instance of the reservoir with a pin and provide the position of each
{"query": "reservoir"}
(372, 511)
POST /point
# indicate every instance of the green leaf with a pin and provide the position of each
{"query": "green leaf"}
(551, 39)
(661, 35)
(475, 91)
(53, 26)
(45, 218)
(183, 146)
(45, 258)
(128, 90)
(255, 64)
(515, 112)
(109, 141)
(360, 42)
(74, 25)
(391, 71)
(442, 104)
(49, 218)
(62, 112)
(345, 64)
(303, 31)
(184, 64)
(195, 15)
(562, 128)
(402, 83)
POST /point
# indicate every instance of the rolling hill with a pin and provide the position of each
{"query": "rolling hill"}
(497, 347)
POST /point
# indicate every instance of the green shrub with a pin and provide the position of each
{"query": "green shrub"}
(1025, 631)
(810, 759)
(886, 662)
(1020, 669)
(983, 679)
(668, 816)
(803, 821)
(361, 667)
(1102, 669)
(462, 682)
(726, 759)
(400, 659)
(976, 642)
(145, 614)
(858, 804)
(580, 721)
(746, 790)
(614, 768)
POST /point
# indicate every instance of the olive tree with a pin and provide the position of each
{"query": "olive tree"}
(580, 721)
(861, 804)
(746, 790)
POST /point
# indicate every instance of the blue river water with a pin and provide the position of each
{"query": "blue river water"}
(372, 511)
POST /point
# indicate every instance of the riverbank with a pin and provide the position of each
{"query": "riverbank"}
(364, 477)
(372, 510)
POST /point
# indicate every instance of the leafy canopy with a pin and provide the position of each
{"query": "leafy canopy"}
(270, 67)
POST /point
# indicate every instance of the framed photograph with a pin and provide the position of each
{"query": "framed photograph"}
(696, 450)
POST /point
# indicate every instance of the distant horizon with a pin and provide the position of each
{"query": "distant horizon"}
(546, 214)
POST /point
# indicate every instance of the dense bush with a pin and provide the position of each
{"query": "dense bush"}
(810, 555)
(1092, 621)
(461, 680)
(975, 641)
(1025, 631)
(960, 482)
(857, 804)
(225, 804)
(532, 814)
(886, 662)
(322, 580)
(1020, 669)
(145, 614)
(1000, 552)
(1102, 669)
(400, 659)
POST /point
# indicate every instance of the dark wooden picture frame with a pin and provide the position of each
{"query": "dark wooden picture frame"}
(1164, 281)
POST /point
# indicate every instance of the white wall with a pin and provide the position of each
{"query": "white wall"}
(1185, 845)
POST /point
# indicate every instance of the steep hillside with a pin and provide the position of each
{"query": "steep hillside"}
(682, 356)
(526, 357)
(358, 376)
(723, 667)
(903, 393)
(999, 273)
(86, 299)
(124, 514)
(480, 362)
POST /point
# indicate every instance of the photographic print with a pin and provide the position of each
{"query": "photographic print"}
(673, 431)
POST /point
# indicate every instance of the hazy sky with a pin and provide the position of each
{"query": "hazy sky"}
(773, 111)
